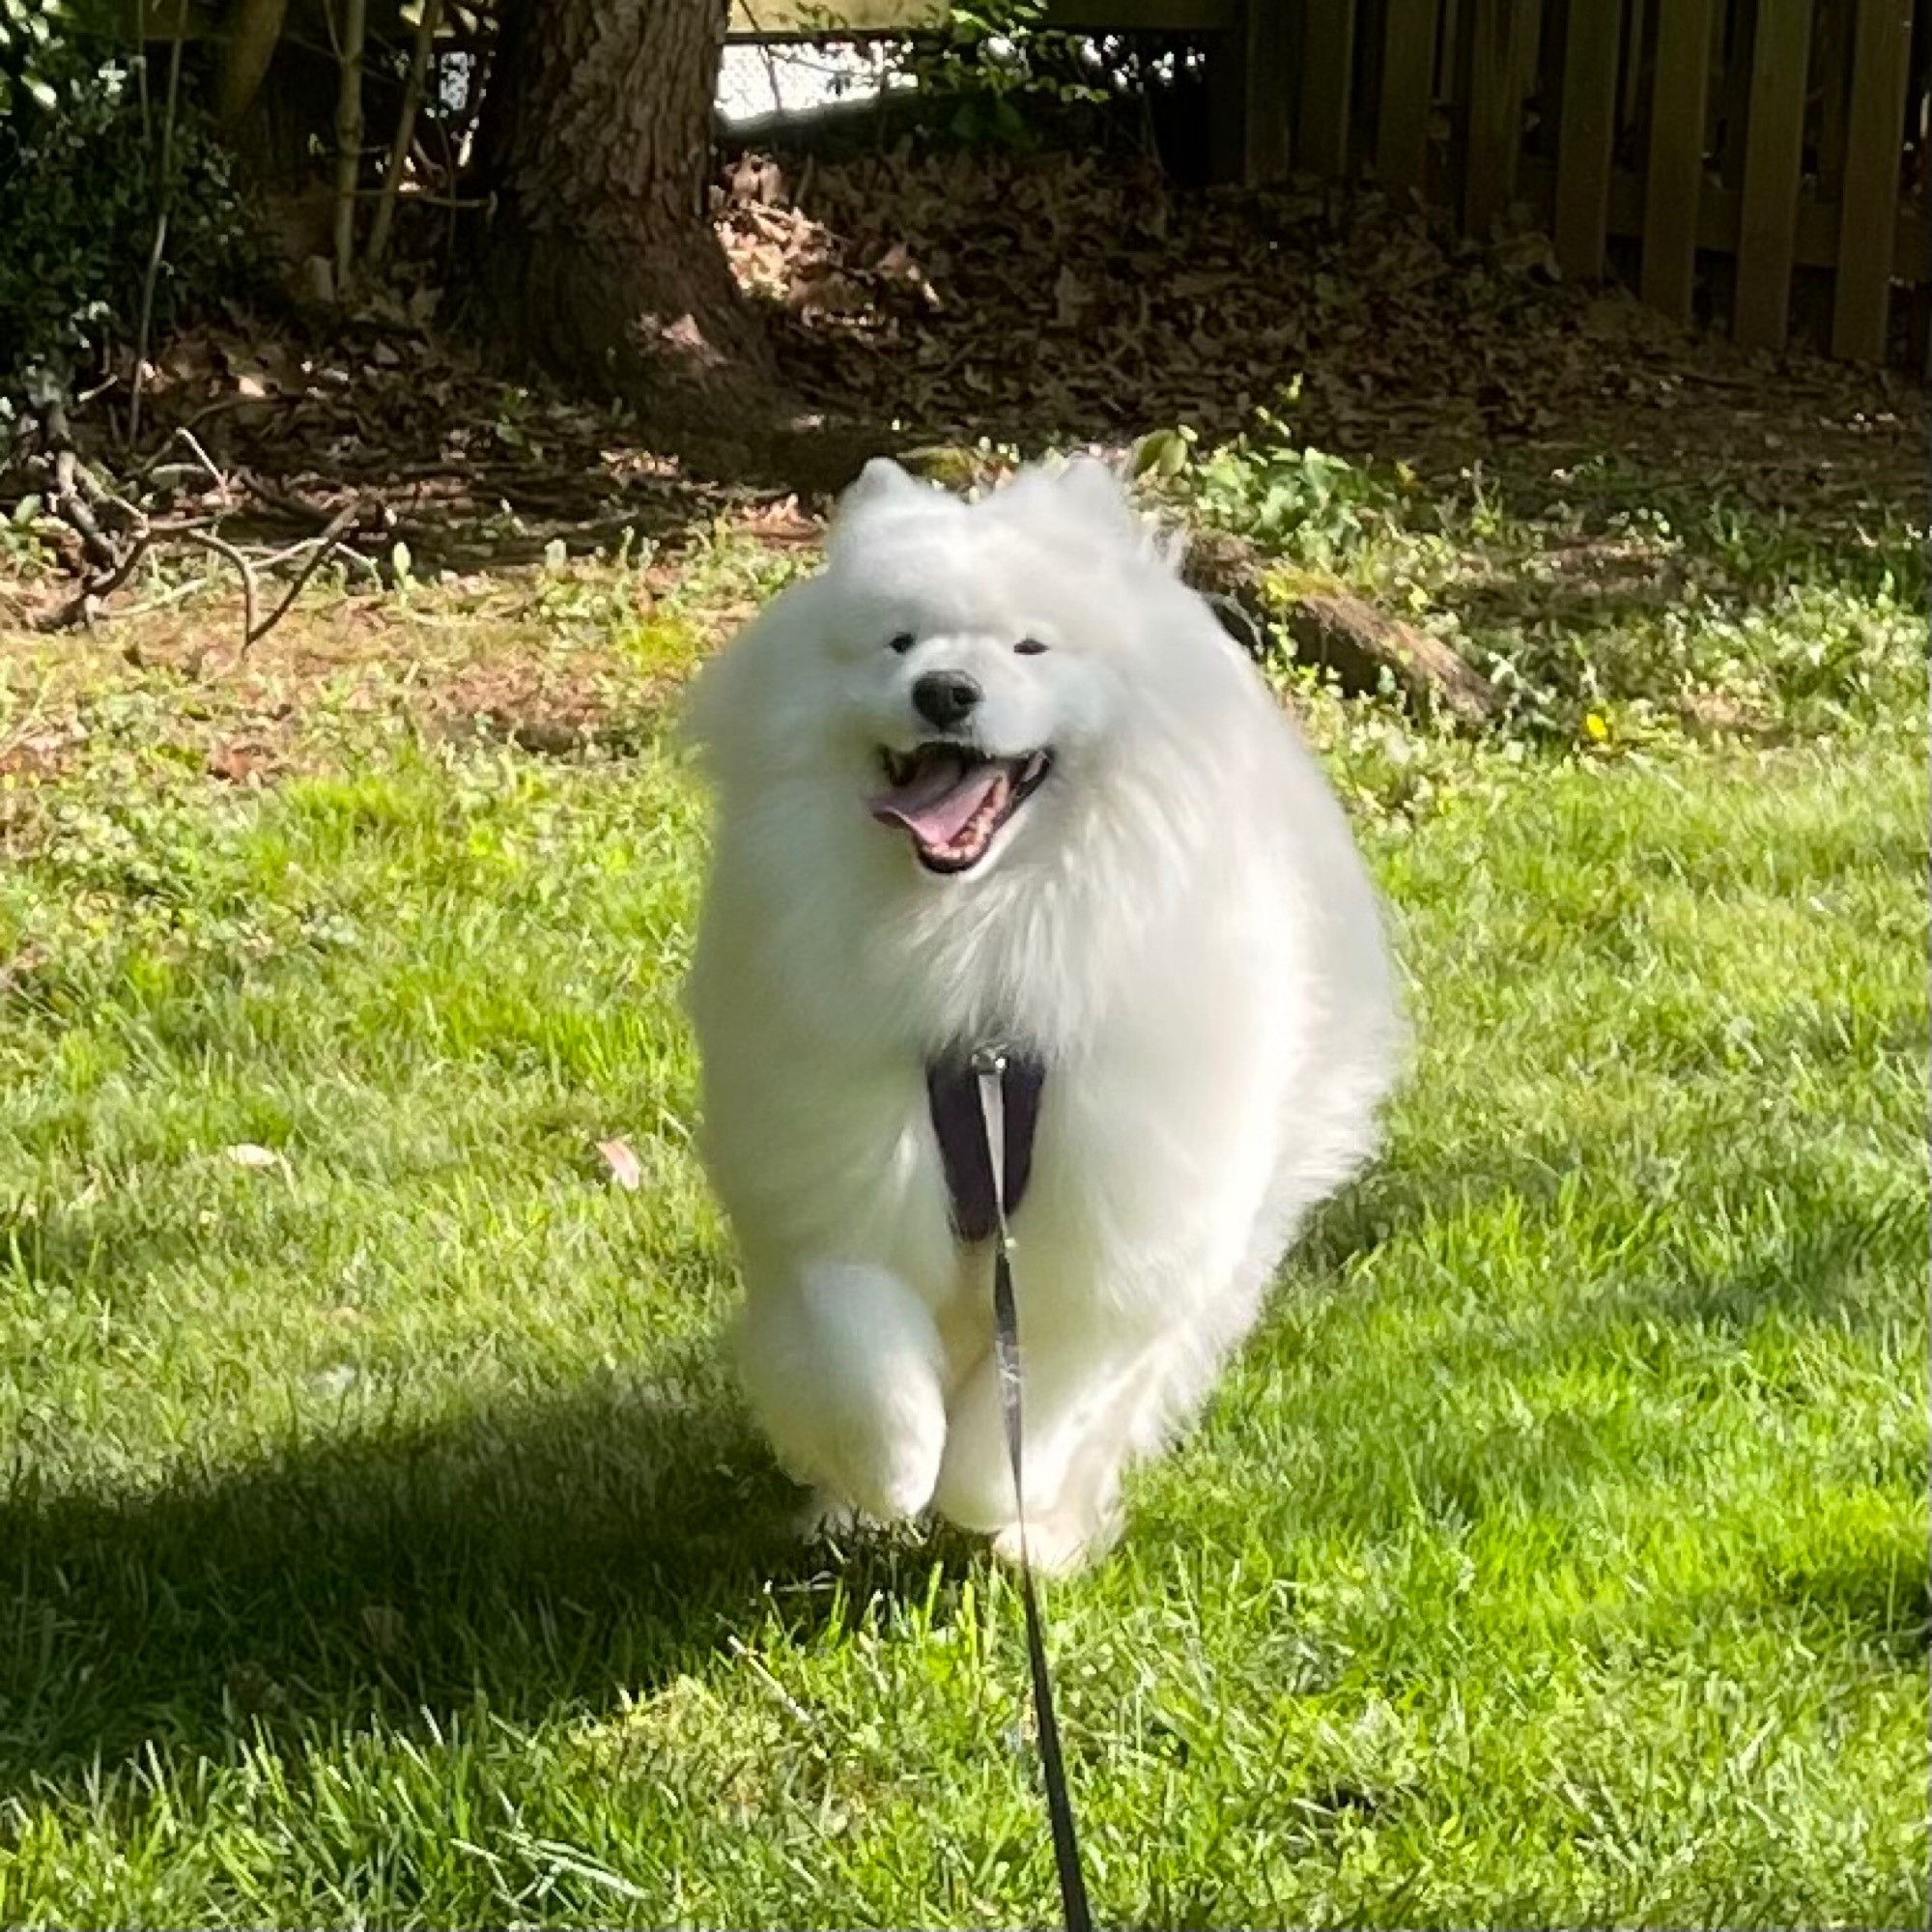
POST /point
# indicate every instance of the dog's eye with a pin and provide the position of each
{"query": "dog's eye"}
(901, 642)
(1029, 647)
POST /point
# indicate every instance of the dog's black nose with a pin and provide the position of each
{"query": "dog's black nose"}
(944, 698)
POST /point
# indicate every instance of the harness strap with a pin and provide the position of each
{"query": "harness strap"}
(953, 1089)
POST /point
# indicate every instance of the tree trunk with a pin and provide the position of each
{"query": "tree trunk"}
(598, 261)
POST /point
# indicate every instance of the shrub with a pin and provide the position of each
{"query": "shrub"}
(81, 166)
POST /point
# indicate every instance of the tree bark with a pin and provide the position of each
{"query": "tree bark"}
(598, 260)
(251, 30)
(1358, 643)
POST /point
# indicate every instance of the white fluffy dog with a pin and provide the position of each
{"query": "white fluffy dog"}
(997, 775)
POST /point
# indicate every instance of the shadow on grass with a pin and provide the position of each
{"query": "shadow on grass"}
(561, 1555)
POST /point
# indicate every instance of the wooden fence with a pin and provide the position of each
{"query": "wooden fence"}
(1781, 144)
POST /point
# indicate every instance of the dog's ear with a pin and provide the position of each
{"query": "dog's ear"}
(1083, 492)
(1087, 486)
(879, 488)
(879, 482)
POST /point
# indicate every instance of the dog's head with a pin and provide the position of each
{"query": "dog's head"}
(959, 670)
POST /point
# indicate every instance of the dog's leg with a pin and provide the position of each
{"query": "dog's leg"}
(842, 1367)
(1079, 1430)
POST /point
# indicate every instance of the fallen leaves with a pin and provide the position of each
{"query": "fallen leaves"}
(1066, 296)
(466, 466)
(947, 297)
(246, 1153)
(622, 1164)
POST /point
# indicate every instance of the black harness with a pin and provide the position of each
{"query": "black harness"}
(952, 1091)
(985, 1110)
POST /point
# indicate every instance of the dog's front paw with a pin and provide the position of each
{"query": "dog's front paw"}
(842, 1375)
(823, 1518)
(1061, 1542)
(885, 1463)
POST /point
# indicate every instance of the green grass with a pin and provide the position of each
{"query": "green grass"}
(381, 1544)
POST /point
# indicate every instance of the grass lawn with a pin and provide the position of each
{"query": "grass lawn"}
(381, 1544)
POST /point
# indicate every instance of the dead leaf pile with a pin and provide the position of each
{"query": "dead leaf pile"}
(471, 471)
(937, 299)
(1029, 298)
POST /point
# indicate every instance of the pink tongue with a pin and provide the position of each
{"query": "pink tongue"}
(936, 803)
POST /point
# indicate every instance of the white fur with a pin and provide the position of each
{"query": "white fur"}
(1178, 920)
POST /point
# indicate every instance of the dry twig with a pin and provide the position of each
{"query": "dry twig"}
(163, 197)
(349, 140)
(406, 124)
(245, 570)
(80, 499)
(332, 533)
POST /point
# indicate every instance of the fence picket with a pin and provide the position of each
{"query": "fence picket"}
(1674, 179)
(1861, 299)
(1586, 135)
(1408, 95)
(1492, 124)
(1774, 158)
(1322, 144)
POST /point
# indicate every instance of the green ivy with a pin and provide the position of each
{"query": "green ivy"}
(80, 189)
(37, 61)
(992, 60)
(1294, 500)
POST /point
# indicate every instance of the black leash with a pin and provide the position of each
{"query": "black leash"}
(993, 1069)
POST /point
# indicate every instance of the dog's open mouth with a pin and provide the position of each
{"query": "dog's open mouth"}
(954, 800)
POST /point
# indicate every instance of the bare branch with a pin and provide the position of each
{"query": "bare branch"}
(222, 547)
(160, 242)
(406, 124)
(185, 434)
(333, 532)
(349, 140)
